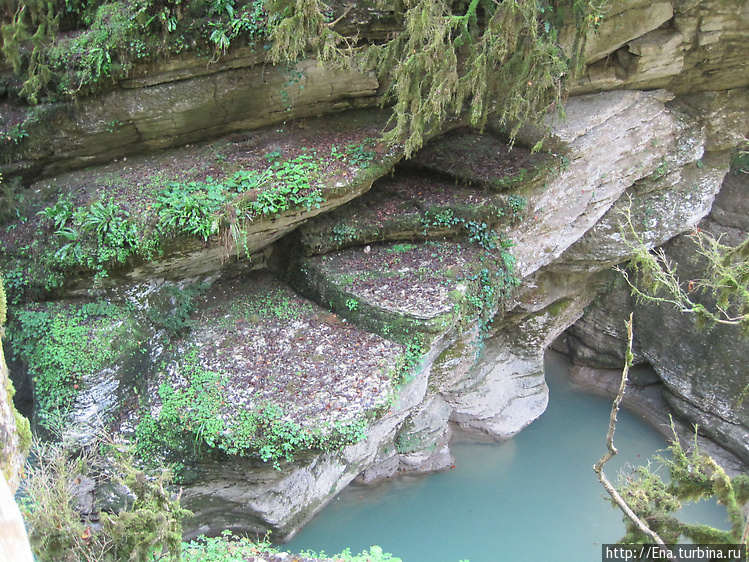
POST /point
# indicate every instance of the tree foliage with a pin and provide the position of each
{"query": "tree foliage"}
(720, 295)
(649, 503)
(692, 476)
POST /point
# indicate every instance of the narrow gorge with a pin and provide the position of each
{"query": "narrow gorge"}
(364, 304)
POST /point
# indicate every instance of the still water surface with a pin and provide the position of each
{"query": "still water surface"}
(534, 497)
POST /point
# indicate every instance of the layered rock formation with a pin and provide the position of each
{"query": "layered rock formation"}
(702, 372)
(430, 288)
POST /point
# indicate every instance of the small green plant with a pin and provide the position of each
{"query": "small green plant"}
(95, 238)
(147, 527)
(375, 554)
(15, 134)
(401, 248)
(352, 304)
(225, 548)
(109, 224)
(15, 203)
(444, 218)
(173, 315)
(247, 180)
(516, 204)
(277, 304)
(342, 233)
(190, 208)
(480, 233)
(191, 420)
(661, 170)
(406, 364)
(740, 160)
(359, 155)
(336, 154)
(60, 213)
(112, 126)
(292, 187)
(230, 548)
(273, 155)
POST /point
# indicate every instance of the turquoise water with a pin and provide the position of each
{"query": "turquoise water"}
(534, 497)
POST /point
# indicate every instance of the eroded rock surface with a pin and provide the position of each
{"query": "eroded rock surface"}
(433, 291)
(703, 373)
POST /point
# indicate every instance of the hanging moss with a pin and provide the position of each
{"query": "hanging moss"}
(693, 476)
(480, 58)
(486, 57)
(67, 49)
(302, 25)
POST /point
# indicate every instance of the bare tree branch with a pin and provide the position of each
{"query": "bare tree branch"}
(612, 451)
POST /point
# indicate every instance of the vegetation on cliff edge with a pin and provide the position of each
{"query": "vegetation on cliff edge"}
(492, 58)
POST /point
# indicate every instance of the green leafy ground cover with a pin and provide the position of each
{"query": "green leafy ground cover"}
(266, 373)
(97, 222)
(64, 347)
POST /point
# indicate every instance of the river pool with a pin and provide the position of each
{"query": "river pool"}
(534, 497)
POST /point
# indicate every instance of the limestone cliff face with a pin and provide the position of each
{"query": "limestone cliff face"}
(703, 373)
(683, 46)
(184, 100)
(397, 252)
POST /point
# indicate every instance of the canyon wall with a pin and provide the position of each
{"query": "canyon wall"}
(424, 291)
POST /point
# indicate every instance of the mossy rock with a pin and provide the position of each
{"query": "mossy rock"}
(188, 211)
(404, 290)
(264, 372)
(485, 160)
(77, 355)
(410, 207)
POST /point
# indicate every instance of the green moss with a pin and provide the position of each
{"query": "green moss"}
(22, 428)
(408, 443)
(556, 308)
(195, 420)
(693, 476)
(24, 432)
(3, 304)
(65, 345)
(145, 526)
